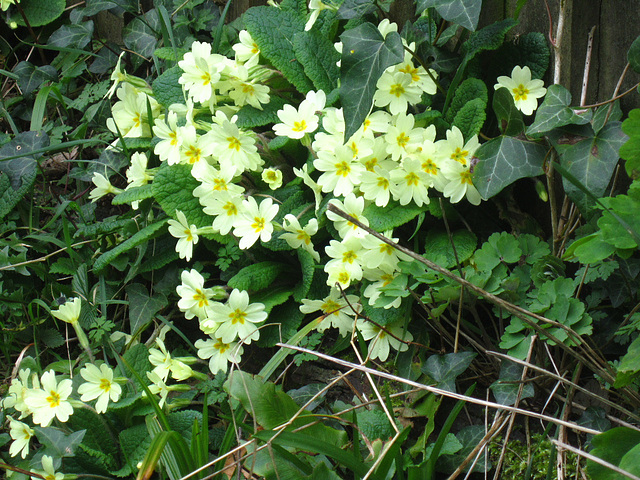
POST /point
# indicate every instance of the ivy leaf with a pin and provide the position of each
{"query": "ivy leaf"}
(592, 162)
(463, 12)
(139, 34)
(38, 13)
(444, 369)
(470, 89)
(365, 56)
(510, 119)
(318, 58)
(31, 77)
(612, 446)
(76, 36)
(471, 117)
(356, 8)
(56, 443)
(633, 55)
(273, 30)
(257, 276)
(504, 160)
(555, 112)
(505, 389)
(166, 89)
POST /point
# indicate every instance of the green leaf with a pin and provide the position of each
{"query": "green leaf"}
(168, 53)
(133, 194)
(463, 12)
(142, 306)
(505, 389)
(374, 424)
(626, 207)
(138, 358)
(56, 443)
(172, 187)
(31, 77)
(97, 436)
(166, 89)
(605, 114)
(250, 117)
(555, 112)
(490, 37)
(257, 276)
(633, 55)
(76, 36)
(590, 249)
(499, 247)
(470, 89)
(504, 160)
(140, 34)
(365, 56)
(612, 446)
(444, 369)
(138, 238)
(533, 49)
(272, 297)
(510, 119)
(356, 8)
(631, 360)
(307, 265)
(438, 248)
(592, 162)
(38, 12)
(630, 151)
(134, 443)
(393, 215)
(318, 58)
(273, 30)
(471, 117)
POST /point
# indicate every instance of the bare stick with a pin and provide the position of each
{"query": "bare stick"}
(587, 67)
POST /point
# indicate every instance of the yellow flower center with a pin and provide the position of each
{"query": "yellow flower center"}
(370, 164)
(330, 307)
(193, 154)
(402, 140)
(219, 184)
(386, 279)
(343, 277)
(465, 177)
(237, 316)
(354, 148)
(27, 433)
(206, 78)
(520, 92)
(174, 139)
(460, 155)
(304, 236)
(349, 256)
(234, 143)
(254, 48)
(136, 120)
(299, 126)
(201, 298)
(429, 166)
(412, 179)
(231, 208)
(248, 88)
(383, 183)
(343, 169)
(271, 176)
(366, 124)
(105, 384)
(258, 224)
(221, 347)
(188, 235)
(53, 399)
(386, 248)
(396, 89)
(408, 68)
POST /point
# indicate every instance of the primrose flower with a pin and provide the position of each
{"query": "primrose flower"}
(256, 222)
(381, 342)
(194, 147)
(234, 148)
(341, 171)
(409, 182)
(396, 91)
(99, 384)
(228, 209)
(51, 400)
(460, 184)
(303, 173)
(21, 434)
(454, 148)
(201, 71)
(186, 234)
(337, 312)
(247, 50)
(375, 186)
(298, 122)
(118, 75)
(297, 236)
(69, 312)
(316, 6)
(272, 177)
(18, 391)
(48, 472)
(220, 354)
(237, 318)
(137, 173)
(523, 89)
(194, 298)
(130, 114)
(346, 255)
(103, 187)
(168, 149)
(352, 206)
